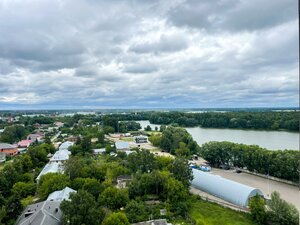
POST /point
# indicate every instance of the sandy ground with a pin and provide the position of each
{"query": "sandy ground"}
(288, 192)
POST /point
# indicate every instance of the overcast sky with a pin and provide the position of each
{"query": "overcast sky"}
(148, 53)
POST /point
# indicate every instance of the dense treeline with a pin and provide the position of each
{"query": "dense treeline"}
(245, 120)
(248, 120)
(15, 133)
(281, 164)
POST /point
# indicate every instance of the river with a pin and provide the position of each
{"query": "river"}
(272, 140)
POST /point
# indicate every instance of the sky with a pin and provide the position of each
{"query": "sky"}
(66, 54)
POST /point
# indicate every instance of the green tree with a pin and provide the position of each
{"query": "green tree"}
(116, 219)
(142, 160)
(257, 209)
(182, 171)
(183, 150)
(82, 209)
(24, 189)
(51, 182)
(148, 128)
(114, 198)
(136, 211)
(280, 212)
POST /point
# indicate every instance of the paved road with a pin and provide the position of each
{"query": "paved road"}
(288, 192)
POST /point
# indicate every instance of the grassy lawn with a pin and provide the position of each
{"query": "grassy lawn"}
(206, 213)
(129, 139)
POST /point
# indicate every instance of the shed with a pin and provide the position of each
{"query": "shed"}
(122, 145)
(234, 192)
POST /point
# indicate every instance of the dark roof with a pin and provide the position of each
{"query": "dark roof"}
(124, 177)
(42, 213)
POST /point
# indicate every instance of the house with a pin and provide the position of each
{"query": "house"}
(122, 146)
(99, 151)
(55, 167)
(72, 138)
(123, 180)
(47, 212)
(42, 213)
(61, 195)
(24, 143)
(60, 156)
(35, 137)
(141, 139)
(154, 222)
(8, 149)
(65, 145)
(58, 124)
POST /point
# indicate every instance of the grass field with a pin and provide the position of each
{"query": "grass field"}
(129, 139)
(206, 213)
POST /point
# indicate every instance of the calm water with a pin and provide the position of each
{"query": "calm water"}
(272, 140)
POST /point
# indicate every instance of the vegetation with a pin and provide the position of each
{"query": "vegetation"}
(205, 213)
(15, 133)
(281, 164)
(175, 140)
(281, 212)
(17, 182)
(82, 209)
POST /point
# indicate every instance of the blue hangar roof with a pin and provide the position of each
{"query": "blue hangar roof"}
(228, 190)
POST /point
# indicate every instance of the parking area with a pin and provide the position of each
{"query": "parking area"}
(287, 192)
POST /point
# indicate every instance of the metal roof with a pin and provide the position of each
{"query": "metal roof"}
(42, 213)
(6, 146)
(61, 195)
(60, 155)
(66, 145)
(54, 167)
(228, 190)
(122, 145)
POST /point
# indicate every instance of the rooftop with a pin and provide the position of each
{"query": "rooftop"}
(60, 155)
(61, 195)
(122, 145)
(42, 213)
(66, 145)
(6, 146)
(55, 167)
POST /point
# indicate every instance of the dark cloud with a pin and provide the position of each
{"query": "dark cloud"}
(207, 53)
(215, 15)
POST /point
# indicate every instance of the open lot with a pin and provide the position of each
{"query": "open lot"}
(288, 192)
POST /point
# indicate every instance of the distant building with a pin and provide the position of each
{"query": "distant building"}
(99, 151)
(24, 143)
(60, 156)
(35, 137)
(122, 146)
(66, 145)
(154, 222)
(8, 149)
(141, 139)
(47, 212)
(55, 167)
(58, 124)
(123, 181)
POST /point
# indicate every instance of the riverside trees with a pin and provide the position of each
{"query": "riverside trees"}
(281, 164)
